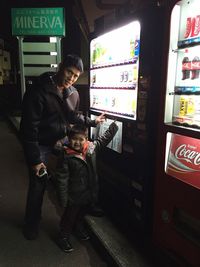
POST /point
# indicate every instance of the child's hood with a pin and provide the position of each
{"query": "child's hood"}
(71, 151)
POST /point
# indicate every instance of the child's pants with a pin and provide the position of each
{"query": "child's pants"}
(72, 219)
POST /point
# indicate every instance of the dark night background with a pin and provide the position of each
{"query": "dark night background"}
(73, 42)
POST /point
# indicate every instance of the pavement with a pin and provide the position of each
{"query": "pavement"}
(15, 250)
(108, 247)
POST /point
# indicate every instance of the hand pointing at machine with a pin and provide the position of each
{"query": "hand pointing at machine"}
(101, 118)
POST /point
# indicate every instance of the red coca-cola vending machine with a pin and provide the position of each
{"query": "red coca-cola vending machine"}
(177, 186)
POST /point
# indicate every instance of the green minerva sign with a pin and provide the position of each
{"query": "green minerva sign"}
(38, 21)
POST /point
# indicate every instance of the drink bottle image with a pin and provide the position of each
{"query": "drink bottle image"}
(93, 79)
(195, 67)
(188, 27)
(130, 76)
(94, 55)
(137, 47)
(183, 106)
(113, 101)
(190, 106)
(94, 100)
(135, 72)
(186, 67)
(195, 26)
(197, 109)
(132, 49)
(121, 76)
(125, 76)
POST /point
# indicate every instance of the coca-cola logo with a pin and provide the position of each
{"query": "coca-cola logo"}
(187, 154)
(186, 65)
(195, 65)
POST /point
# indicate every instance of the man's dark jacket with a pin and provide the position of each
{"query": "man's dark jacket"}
(46, 116)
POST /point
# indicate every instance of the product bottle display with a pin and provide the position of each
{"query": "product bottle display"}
(186, 68)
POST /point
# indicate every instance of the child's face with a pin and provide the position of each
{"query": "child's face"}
(77, 142)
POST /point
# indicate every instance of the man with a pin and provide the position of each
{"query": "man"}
(47, 111)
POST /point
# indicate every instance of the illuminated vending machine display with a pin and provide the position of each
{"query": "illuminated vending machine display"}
(114, 62)
(177, 216)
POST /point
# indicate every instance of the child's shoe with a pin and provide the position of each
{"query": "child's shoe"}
(82, 234)
(64, 244)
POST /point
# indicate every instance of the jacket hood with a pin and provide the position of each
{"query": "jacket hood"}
(46, 77)
(82, 154)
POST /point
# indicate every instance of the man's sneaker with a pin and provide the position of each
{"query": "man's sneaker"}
(82, 234)
(64, 244)
(30, 232)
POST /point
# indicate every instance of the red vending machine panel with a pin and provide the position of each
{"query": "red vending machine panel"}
(177, 181)
(183, 160)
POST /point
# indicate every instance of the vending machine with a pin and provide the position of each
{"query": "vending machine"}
(124, 83)
(177, 187)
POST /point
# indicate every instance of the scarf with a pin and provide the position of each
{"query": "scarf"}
(71, 151)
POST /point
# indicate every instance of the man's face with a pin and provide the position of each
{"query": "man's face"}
(69, 76)
(77, 142)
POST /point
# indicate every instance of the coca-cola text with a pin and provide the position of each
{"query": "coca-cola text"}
(188, 155)
(184, 159)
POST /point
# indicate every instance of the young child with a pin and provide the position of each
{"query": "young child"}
(76, 181)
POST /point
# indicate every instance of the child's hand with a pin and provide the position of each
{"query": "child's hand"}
(100, 118)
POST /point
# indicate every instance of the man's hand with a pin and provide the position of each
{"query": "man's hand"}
(100, 118)
(37, 167)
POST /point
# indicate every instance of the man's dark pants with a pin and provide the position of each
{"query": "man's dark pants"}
(37, 186)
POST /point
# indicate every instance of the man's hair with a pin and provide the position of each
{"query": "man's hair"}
(78, 129)
(72, 61)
